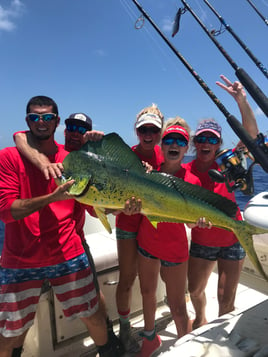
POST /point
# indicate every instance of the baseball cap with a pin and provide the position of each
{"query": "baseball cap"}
(208, 125)
(176, 129)
(81, 119)
(149, 118)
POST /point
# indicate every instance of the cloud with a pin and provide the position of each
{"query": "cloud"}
(7, 15)
(167, 24)
(99, 52)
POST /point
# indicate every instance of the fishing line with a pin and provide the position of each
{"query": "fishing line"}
(255, 146)
(255, 92)
(240, 42)
(258, 12)
(152, 41)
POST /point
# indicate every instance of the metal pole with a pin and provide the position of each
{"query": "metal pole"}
(241, 43)
(258, 12)
(256, 93)
(252, 145)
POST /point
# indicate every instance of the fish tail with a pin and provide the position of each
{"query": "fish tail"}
(244, 233)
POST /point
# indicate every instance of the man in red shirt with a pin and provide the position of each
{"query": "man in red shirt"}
(41, 240)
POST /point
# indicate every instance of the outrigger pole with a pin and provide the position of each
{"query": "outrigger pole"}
(255, 146)
(256, 93)
(241, 43)
(258, 12)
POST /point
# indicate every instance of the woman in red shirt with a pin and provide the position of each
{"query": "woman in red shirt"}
(165, 249)
(148, 127)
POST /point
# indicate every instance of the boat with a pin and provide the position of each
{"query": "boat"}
(239, 333)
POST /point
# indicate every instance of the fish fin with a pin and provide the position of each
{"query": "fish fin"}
(100, 212)
(196, 192)
(244, 232)
(154, 224)
(114, 149)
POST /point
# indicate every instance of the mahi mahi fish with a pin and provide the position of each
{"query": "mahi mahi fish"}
(108, 172)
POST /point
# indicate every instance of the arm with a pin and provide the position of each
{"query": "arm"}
(22, 208)
(238, 93)
(26, 147)
(93, 135)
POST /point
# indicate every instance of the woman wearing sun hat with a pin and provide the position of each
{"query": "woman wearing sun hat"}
(148, 125)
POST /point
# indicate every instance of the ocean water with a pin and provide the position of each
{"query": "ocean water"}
(260, 178)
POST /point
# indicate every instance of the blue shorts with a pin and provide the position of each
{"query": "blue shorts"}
(232, 252)
(164, 263)
(120, 234)
(20, 289)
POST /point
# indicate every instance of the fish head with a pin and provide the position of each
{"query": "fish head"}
(76, 168)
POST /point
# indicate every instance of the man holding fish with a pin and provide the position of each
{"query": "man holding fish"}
(42, 241)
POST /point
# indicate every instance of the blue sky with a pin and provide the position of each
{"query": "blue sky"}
(88, 56)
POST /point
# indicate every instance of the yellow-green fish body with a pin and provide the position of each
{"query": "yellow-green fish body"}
(107, 173)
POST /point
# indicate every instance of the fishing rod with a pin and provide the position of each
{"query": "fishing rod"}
(256, 93)
(257, 146)
(258, 12)
(241, 43)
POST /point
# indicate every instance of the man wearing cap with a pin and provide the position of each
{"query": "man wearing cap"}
(34, 250)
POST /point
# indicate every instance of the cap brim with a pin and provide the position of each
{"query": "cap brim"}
(78, 121)
(210, 130)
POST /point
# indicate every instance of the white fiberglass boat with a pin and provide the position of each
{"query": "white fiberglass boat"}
(243, 332)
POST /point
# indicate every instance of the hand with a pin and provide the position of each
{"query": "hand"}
(200, 223)
(93, 135)
(147, 166)
(61, 192)
(132, 206)
(53, 170)
(235, 89)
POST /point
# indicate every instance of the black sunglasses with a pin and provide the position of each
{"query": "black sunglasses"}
(34, 117)
(148, 130)
(206, 139)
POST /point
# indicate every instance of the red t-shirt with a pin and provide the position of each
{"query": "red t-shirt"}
(169, 241)
(45, 237)
(131, 223)
(214, 237)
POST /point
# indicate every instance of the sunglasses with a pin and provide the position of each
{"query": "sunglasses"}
(34, 117)
(207, 139)
(148, 130)
(76, 128)
(179, 142)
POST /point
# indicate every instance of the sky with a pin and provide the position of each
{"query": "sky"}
(89, 56)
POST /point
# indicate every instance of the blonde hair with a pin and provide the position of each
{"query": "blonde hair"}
(153, 109)
(176, 121)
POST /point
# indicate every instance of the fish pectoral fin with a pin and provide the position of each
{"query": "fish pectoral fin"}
(100, 212)
(154, 224)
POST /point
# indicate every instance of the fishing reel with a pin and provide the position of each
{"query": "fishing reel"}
(234, 172)
(233, 165)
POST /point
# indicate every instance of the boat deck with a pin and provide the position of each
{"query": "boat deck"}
(52, 335)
